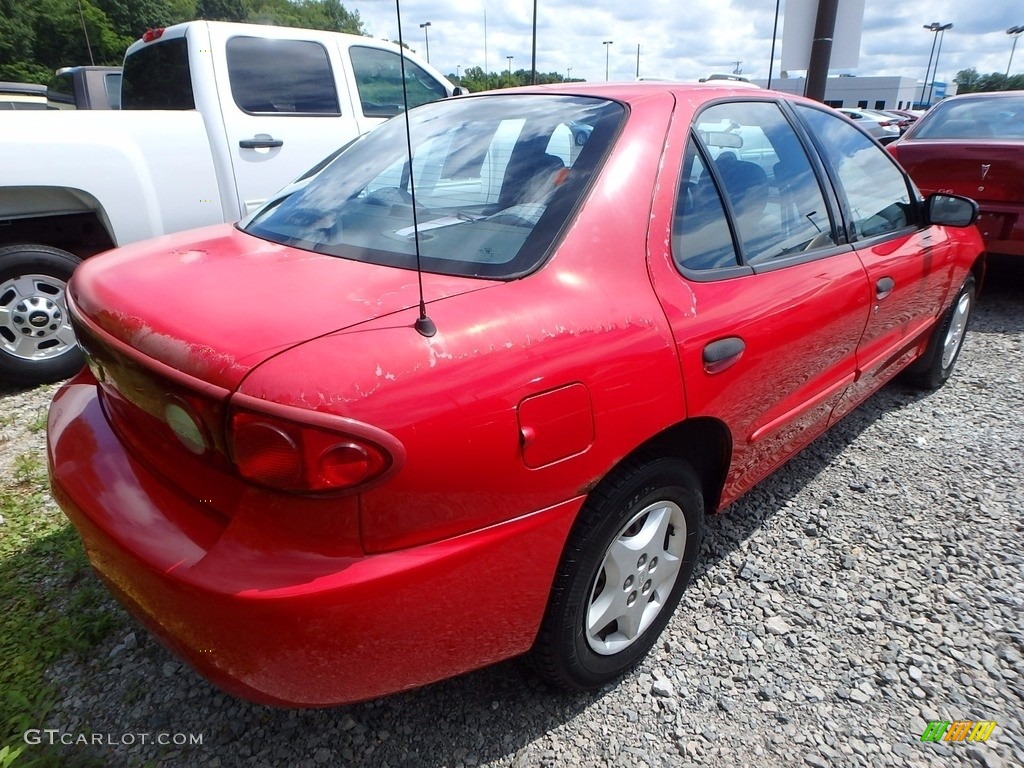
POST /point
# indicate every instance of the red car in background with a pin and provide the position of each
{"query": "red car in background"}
(973, 145)
(420, 414)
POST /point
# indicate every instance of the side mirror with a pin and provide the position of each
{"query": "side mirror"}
(950, 210)
(459, 90)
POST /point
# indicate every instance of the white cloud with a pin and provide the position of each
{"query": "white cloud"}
(687, 40)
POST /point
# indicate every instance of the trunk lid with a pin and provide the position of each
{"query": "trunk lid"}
(987, 171)
(215, 303)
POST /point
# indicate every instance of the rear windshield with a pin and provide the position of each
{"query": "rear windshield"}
(496, 179)
(999, 117)
(157, 76)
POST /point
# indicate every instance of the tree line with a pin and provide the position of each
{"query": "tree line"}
(38, 37)
(969, 81)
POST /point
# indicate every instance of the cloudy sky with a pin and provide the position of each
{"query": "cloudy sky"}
(688, 39)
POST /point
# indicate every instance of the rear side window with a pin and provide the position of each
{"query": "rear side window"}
(157, 76)
(281, 77)
(112, 86)
(751, 170)
(379, 82)
(60, 91)
(876, 192)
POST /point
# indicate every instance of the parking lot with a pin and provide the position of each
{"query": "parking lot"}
(870, 587)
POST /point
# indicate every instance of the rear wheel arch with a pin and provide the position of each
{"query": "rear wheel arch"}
(706, 445)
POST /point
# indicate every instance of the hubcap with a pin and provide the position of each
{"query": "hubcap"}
(34, 322)
(635, 579)
(955, 334)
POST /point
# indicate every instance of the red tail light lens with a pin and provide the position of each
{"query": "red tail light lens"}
(291, 449)
(152, 34)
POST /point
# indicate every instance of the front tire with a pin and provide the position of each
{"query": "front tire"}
(939, 359)
(37, 343)
(627, 561)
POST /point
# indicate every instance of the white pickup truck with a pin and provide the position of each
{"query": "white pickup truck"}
(215, 117)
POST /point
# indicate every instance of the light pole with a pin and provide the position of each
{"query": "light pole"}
(638, 61)
(509, 70)
(457, 68)
(1015, 31)
(567, 71)
(939, 30)
(606, 43)
(426, 38)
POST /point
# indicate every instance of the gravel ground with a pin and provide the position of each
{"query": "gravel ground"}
(873, 584)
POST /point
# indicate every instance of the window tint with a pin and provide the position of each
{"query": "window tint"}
(774, 199)
(876, 191)
(491, 195)
(281, 76)
(157, 77)
(700, 233)
(379, 81)
(112, 86)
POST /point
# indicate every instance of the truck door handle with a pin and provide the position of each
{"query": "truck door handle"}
(721, 354)
(255, 143)
(884, 287)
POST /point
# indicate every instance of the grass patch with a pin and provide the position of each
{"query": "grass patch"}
(49, 605)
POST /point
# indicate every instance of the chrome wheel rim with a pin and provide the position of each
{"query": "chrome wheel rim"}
(34, 322)
(636, 577)
(957, 328)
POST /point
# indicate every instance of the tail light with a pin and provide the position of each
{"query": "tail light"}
(889, 123)
(152, 34)
(292, 449)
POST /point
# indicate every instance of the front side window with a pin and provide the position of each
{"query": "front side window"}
(379, 82)
(157, 76)
(876, 192)
(281, 77)
(496, 179)
(760, 168)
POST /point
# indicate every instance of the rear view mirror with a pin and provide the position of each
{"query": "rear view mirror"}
(951, 210)
(723, 139)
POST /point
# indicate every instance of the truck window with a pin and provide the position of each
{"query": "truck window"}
(60, 91)
(379, 80)
(112, 85)
(281, 77)
(157, 76)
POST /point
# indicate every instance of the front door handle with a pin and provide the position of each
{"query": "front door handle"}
(884, 287)
(721, 354)
(255, 143)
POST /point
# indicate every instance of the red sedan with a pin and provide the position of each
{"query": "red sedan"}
(974, 145)
(414, 417)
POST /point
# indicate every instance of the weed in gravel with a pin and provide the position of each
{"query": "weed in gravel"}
(48, 605)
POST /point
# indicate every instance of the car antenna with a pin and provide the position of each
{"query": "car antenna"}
(424, 325)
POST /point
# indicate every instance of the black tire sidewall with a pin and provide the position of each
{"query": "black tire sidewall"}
(663, 479)
(18, 260)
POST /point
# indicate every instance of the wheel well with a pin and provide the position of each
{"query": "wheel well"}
(82, 234)
(706, 444)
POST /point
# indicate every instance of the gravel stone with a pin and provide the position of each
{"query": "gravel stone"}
(830, 648)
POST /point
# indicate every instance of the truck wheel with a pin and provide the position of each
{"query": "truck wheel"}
(37, 344)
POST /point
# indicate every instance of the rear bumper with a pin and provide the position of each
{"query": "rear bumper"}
(1002, 229)
(281, 624)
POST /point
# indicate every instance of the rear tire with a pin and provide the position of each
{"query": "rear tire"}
(939, 359)
(37, 344)
(627, 561)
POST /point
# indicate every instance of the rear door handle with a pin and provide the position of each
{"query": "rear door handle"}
(884, 287)
(722, 354)
(254, 143)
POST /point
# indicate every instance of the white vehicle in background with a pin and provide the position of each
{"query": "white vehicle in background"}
(883, 127)
(215, 117)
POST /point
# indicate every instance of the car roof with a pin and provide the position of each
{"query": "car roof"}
(640, 90)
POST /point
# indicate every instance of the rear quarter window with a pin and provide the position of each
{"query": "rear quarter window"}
(378, 76)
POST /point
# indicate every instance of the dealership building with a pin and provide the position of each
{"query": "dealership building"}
(866, 92)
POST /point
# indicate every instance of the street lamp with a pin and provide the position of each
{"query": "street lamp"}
(1015, 31)
(606, 43)
(509, 70)
(457, 68)
(567, 71)
(939, 31)
(426, 38)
